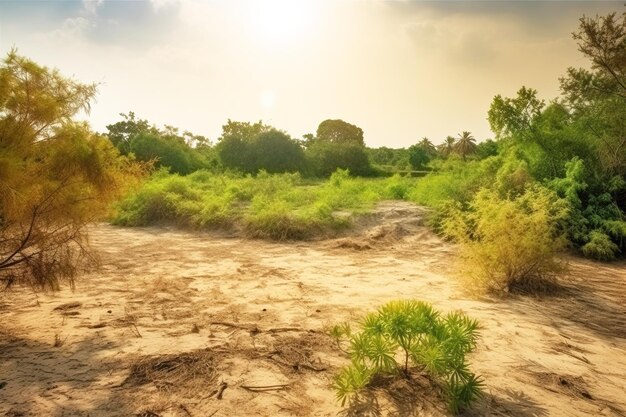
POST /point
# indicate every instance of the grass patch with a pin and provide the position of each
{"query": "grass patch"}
(280, 207)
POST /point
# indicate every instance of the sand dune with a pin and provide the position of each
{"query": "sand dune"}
(172, 319)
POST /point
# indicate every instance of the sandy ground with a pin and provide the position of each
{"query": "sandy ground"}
(237, 313)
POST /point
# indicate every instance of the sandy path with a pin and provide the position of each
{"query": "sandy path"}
(261, 309)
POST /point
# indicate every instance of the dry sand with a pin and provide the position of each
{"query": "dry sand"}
(250, 313)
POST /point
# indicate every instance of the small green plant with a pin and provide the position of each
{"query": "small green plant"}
(425, 339)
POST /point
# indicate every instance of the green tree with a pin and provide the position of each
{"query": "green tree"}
(465, 145)
(251, 147)
(447, 147)
(339, 132)
(121, 133)
(55, 174)
(428, 146)
(325, 158)
(167, 151)
(486, 149)
(514, 116)
(276, 152)
(418, 157)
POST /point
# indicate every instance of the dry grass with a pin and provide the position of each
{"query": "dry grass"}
(174, 371)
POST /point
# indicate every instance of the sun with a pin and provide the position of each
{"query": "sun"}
(267, 99)
(281, 20)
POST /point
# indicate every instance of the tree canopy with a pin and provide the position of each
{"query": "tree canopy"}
(56, 175)
(339, 132)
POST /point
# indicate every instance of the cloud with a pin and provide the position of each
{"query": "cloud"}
(132, 23)
(539, 18)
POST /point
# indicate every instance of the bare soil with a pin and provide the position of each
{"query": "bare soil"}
(192, 324)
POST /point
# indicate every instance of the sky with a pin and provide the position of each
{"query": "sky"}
(400, 70)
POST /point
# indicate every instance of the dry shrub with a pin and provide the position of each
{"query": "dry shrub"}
(174, 371)
(510, 243)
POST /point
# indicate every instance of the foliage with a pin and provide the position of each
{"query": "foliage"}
(339, 132)
(167, 151)
(465, 145)
(452, 179)
(55, 175)
(418, 157)
(510, 116)
(165, 147)
(275, 152)
(447, 147)
(486, 149)
(600, 246)
(272, 206)
(510, 242)
(326, 157)
(388, 157)
(250, 148)
(122, 133)
(433, 343)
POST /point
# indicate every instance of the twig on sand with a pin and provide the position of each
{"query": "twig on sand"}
(220, 390)
(261, 388)
(185, 409)
(136, 330)
(253, 328)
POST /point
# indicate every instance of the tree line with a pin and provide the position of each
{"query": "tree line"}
(250, 147)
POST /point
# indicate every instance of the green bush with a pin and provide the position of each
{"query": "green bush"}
(600, 247)
(433, 343)
(327, 157)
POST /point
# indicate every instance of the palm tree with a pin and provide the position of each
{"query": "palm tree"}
(465, 145)
(427, 146)
(446, 148)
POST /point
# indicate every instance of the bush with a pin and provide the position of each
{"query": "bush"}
(434, 343)
(510, 243)
(327, 157)
(600, 247)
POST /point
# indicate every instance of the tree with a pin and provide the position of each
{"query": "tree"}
(602, 40)
(428, 147)
(122, 133)
(514, 116)
(167, 151)
(325, 158)
(465, 145)
(275, 151)
(598, 98)
(251, 147)
(486, 149)
(166, 147)
(447, 147)
(340, 132)
(418, 157)
(55, 175)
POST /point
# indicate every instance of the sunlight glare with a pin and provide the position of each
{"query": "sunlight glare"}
(267, 99)
(281, 20)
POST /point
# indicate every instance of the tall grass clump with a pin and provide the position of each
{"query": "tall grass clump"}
(510, 242)
(422, 338)
(452, 179)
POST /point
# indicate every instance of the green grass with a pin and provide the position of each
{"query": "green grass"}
(280, 206)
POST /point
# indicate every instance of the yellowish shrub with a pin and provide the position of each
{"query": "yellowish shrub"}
(509, 243)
